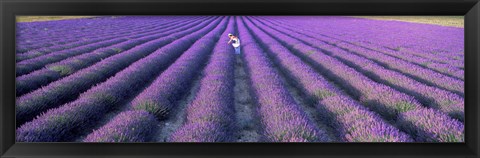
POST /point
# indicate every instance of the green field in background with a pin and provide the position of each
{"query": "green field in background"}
(455, 21)
(47, 18)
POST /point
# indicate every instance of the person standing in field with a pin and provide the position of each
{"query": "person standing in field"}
(235, 42)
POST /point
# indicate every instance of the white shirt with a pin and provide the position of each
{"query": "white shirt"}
(236, 42)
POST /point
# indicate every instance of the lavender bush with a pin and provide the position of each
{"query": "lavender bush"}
(129, 126)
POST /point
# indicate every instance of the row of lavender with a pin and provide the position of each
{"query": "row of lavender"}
(67, 65)
(35, 59)
(342, 112)
(429, 95)
(31, 36)
(71, 40)
(150, 70)
(396, 108)
(160, 97)
(68, 88)
(448, 64)
(430, 40)
(75, 118)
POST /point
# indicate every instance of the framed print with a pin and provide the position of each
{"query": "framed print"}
(239, 79)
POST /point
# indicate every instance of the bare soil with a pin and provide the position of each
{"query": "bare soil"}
(246, 117)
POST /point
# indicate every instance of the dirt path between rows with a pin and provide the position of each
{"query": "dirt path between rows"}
(245, 113)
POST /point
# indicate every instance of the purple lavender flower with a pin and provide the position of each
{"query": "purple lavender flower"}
(129, 126)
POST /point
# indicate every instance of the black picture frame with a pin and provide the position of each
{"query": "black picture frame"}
(11, 8)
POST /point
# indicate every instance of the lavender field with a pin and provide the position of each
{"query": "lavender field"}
(297, 79)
